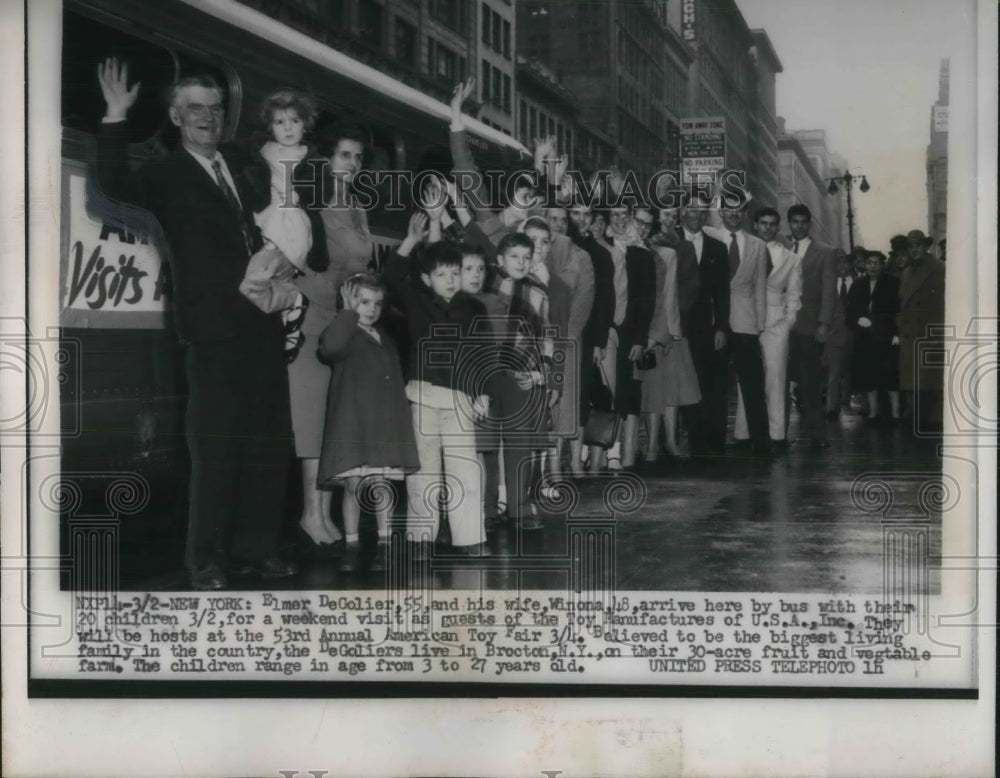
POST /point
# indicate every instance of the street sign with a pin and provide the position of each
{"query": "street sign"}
(703, 146)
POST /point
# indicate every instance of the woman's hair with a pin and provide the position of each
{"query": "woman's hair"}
(368, 281)
(535, 222)
(289, 100)
(331, 136)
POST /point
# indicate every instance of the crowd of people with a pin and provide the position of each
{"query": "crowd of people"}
(520, 326)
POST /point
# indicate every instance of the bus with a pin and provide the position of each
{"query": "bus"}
(124, 410)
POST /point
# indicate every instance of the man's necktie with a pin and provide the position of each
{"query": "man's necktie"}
(734, 255)
(770, 262)
(843, 291)
(233, 201)
(795, 247)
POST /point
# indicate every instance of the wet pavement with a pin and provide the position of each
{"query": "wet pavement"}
(804, 521)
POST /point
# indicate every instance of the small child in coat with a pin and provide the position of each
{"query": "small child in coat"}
(368, 435)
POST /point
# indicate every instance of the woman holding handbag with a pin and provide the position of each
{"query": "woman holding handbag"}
(672, 380)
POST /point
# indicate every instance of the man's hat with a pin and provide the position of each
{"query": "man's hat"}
(898, 242)
(917, 236)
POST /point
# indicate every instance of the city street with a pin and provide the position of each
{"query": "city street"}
(783, 524)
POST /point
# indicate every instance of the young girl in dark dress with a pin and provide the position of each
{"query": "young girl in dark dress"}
(369, 430)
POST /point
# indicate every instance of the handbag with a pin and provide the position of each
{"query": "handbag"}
(646, 360)
(602, 425)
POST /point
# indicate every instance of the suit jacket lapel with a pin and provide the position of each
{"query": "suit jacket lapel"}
(198, 176)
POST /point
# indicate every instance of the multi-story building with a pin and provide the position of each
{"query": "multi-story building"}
(544, 107)
(733, 76)
(762, 154)
(611, 56)
(495, 50)
(428, 44)
(800, 182)
(937, 164)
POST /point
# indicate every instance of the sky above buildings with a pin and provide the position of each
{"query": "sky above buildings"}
(866, 71)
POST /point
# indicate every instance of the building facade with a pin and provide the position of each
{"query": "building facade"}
(611, 56)
(799, 181)
(428, 44)
(495, 50)
(544, 107)
(733, 76)
(937, 164)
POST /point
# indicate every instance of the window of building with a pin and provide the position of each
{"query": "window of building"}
(485, 13)
(449, 12)
(506, 39)
(506, 94)
(523, 120)
(370, 23)
(496, 91)
(447, 65)
(534, 122)
(497, 30)
(406, 42)
(484, 79)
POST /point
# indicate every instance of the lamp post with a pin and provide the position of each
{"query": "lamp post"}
(847, 181)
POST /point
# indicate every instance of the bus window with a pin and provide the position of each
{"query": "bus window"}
(86, 43)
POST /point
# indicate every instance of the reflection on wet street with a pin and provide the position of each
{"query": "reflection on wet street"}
(804, 521)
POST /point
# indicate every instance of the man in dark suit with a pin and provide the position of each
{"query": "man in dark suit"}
(594, 340)
(812, 325)
(705, 327)
(840, 341)
(238, 423)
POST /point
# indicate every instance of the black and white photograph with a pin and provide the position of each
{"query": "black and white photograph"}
(454, 370)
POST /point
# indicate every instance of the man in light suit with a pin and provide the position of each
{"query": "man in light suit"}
(812, 325)
(238, 421)
(747, 263)
(784, 298)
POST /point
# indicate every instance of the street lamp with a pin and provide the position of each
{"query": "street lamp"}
(847, 181)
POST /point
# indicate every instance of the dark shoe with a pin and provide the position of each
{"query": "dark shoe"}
(779, 446)
(381, 560)
(761, 449)
(493, 523)
(208, 579)
(475, 550)
(272, 567)
(352, 555)
(742, 444)
(529, 523)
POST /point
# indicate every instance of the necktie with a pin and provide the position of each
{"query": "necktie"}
(795, 247)
(233, 201)
(770, 262)
(843, 291)
(734, 255)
